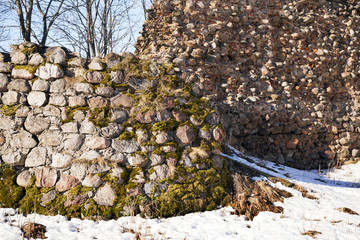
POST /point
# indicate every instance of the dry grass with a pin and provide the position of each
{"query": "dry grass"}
(347, 210)
(311, 233)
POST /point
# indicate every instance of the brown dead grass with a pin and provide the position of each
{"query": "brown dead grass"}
(34, 230)
(252, 197)
(347, 210)
(311, 233)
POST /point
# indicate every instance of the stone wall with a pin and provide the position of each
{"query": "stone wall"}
(283, 74)
(104, 137)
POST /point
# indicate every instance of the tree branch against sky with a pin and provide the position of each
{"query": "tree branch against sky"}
(91, 27)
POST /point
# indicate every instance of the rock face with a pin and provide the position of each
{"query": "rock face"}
(270, 89)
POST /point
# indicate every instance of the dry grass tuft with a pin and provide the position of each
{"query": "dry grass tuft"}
(34, 230)
(347, 210)
(311, 233)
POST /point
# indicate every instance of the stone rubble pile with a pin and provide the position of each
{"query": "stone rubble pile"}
(109, 128)
(284, 74)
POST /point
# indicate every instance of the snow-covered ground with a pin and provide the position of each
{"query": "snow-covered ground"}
(334, 189)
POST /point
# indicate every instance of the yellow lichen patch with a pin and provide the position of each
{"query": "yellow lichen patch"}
(9, 110)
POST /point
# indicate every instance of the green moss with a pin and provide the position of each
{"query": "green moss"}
(29, 68)
(70, 113)
(10, 192)
(9, 110)
(100, 117)
(79, 190)
(162, 126)
(126, 135)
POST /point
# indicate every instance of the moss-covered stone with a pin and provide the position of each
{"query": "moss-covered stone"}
(29, 68)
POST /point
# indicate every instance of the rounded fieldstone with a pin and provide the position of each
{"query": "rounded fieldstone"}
(24, 178)
(37, 99)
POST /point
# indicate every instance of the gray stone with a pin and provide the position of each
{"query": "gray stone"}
(19, 85)
(98, 168)
(117, 173)
(40, 85)
(160, 172)
(73, 142)
(22, 111)
(37, 99)
(142, 135)
(66, 182)
(92, 181)
(355, 153)
(141, 84)
(77, 62)
(58, 56)
(139, 177)
(36, 59)
(105, 196)
(22, 74)
(46, 177)
(113, 130)
(156, 159)
(77, 101)
(51, 138)
(83, 88)
(3, 82)
(118, 158)
(78, 170)
(88, 128)
(97, 65)
(8, 124)
(36, 124)
(218, 162)
(162, 137)
(118, 116)
(137, 161)
(5, 67)
(93, 77)
(50, 110)
(10, 98)
(23, 139)
(60, 160)
(48, 197)
(97, 143)
(49, 72)
(36, 157)
(57, 100)
(24, 179)
(127, 55)
(90, 155)
(122, 100)
(112, 59)
(14, 158)
(58, 86)
(19, 58)
(184, 135)
(125, 146)
(205, 134)
(70, 127)
(104, 91)
(117, 77)
(97, 102)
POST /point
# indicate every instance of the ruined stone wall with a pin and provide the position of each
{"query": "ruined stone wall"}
(104, 137)
(284, 75)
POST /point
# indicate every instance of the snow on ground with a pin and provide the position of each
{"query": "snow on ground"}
(334, 189)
